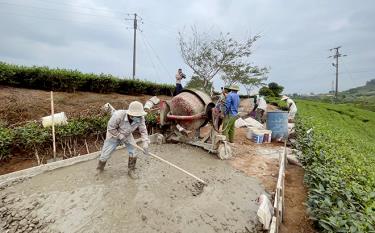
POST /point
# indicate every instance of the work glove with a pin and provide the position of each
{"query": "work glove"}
(145, 149)
(145, 152)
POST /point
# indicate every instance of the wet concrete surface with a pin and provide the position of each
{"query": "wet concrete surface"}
(78, 199)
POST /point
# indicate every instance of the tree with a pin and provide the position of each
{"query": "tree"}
(208, 56)
(196, 83)
(265, 91)
(275, 88)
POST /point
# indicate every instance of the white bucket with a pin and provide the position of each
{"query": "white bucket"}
(258, 136)
(249, 134)
(58, 118)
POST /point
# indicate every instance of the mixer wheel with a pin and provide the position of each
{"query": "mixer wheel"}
(224, 151)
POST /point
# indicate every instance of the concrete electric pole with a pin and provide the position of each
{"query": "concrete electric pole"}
(134, 42)
(336, 56)
(135, 20)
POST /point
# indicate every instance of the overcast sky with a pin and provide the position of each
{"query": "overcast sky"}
(93, 36)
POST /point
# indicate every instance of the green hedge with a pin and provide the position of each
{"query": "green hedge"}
(337, 144)
(32, 136)
(44, 78)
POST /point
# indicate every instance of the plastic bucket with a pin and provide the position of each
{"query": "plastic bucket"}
(267, 136)
(258, 137)
(277, 122)
(249, 133)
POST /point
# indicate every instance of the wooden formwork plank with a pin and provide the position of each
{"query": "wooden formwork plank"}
(274, 228)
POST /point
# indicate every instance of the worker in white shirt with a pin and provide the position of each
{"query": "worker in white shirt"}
(120, 130)
(292, 108)
(261, 108)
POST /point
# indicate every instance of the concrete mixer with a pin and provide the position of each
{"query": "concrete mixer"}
(186, 114)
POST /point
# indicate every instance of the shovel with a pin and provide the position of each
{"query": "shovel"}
(171, 164)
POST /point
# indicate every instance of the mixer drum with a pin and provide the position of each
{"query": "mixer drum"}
(190, 103)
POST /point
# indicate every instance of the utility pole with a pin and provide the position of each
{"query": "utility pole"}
(336, 56)
(136, 19)
(134, 42)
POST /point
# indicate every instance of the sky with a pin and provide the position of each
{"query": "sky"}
(97, 37)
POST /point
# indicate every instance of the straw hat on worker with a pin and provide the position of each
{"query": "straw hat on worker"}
(234, 88)
(284, 97)
(136, 109)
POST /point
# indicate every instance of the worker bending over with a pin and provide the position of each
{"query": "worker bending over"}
(260, 107)
(231, 112)
(292, 108)
(119, 131)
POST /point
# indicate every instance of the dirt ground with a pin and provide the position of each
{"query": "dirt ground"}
(19, 105)
(253, 160)
(296, 219)
(76, 199)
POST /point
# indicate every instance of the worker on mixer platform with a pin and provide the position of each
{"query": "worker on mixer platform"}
(119, 131)
(231, 112)
(179, 77)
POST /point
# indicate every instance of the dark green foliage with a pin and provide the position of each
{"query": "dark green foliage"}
(197, 83)
(276, 101)
(265, 91)
(6, 141)
(273, 90)
(44, 78)
(31, 136)
(338, 157)
(34, 136)
(276, 89)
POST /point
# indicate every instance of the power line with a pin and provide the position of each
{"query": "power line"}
(37, 17)
(82, 7)
(150, 58)
(156, 55)
(59, 10)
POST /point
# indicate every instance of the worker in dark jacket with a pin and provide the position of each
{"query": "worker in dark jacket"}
(231, 112)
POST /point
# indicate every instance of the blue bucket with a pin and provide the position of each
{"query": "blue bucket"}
(278, 122)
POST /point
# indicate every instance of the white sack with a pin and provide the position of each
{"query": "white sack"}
(265, 211)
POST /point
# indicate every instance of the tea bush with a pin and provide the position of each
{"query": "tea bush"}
(44, 78)
(338, 154)
(32, 138)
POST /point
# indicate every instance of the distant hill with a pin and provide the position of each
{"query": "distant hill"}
(366, 90)
(363, 96)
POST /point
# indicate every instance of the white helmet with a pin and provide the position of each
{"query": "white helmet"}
(136, 109)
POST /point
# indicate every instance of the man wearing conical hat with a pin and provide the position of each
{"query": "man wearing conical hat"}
(231, 112)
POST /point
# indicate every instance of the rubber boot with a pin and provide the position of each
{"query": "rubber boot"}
(101, 165)
(131, 168)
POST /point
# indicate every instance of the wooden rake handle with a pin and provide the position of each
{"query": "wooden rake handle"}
(171, 164)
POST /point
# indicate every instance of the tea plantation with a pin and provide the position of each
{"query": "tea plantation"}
(338, 145)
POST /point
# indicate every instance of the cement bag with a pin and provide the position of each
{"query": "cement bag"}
(254, 123)
(58, 118)
(265, 211)
(240, 123)
(152, 102)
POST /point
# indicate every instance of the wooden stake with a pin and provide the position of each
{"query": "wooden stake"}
(87, 148)
(171, 164)
(53, 127)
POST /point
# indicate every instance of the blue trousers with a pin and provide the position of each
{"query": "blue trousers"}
(110, 145)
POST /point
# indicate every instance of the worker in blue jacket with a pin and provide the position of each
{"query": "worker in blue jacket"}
(231, 114)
